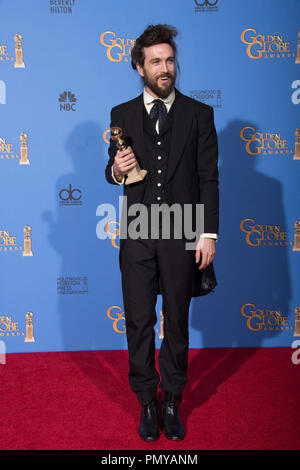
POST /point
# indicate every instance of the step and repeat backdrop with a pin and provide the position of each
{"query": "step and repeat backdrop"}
(63, 65)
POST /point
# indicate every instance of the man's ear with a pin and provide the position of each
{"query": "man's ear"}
(140, 70)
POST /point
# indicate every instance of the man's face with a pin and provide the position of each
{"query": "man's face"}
(158, 71)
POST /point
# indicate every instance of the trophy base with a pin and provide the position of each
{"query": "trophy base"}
(24, 163)
(29, 340)
(296, 249)
(19, 66)
(27, 254)
(297, 61)
(136, 178)
(296, 157)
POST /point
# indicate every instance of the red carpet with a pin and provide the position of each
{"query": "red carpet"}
(235, 399)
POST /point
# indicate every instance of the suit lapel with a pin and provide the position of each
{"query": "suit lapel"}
(181, 125)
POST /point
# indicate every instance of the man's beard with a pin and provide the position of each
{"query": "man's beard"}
(161, 92)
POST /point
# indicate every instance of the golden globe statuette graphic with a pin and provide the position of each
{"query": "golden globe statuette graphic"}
(297, 61)
(161, 333)
(19, 64)
(27, 241)
(24, 150)
(296, 246)
(297, 321)
(297, 145)
(135, 174)
(29, 328)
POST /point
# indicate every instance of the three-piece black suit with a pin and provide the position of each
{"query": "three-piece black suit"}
(181, 163)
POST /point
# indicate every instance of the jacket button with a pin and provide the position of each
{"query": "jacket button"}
(158, 184)
(158, 198)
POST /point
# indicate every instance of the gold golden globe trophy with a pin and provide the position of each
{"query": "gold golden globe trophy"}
(19, 64)
(161, 335)
(297, 61)
(135, 174)
(27, 241)
(296, 246)
(161, 331)
(297, 145)
(29, 328)
(24, 150)
(297, 321)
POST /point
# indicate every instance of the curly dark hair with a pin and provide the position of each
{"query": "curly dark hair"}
(154, 34)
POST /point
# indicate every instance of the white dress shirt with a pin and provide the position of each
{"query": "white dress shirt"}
(149, 102)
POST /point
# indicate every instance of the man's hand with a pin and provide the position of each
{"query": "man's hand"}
(207, 248)
(124, 161)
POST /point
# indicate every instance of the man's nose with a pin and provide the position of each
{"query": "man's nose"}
(164, 67)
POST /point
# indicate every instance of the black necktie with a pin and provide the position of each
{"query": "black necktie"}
(158, 111)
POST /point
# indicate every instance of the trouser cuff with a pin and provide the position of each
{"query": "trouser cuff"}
(146, 396)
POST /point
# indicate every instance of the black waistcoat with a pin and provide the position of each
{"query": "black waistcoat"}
(157, 149)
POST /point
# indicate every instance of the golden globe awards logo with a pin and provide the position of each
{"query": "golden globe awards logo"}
(264, 143)
(264, 319)
(8, 327)
(267, 46)
(263, 235)
(117, 48)
(105, 136)
(9, 243)
(6, 56)
(116, 314)
(113, 229)
(7, 149)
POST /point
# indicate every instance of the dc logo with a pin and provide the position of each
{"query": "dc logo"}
(68, 194)
(206, 3)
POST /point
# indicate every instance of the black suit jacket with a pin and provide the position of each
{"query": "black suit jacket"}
(192, 175)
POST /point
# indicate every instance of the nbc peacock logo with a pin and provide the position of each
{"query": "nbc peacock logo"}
(67, 101)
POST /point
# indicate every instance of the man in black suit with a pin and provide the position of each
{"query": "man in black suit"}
(173, 137)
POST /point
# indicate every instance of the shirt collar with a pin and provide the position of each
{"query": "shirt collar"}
(148, 99)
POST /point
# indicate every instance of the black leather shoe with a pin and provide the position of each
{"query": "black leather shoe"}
(174, 429)
(148, 428)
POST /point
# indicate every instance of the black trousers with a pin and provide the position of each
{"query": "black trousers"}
(142, 261)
